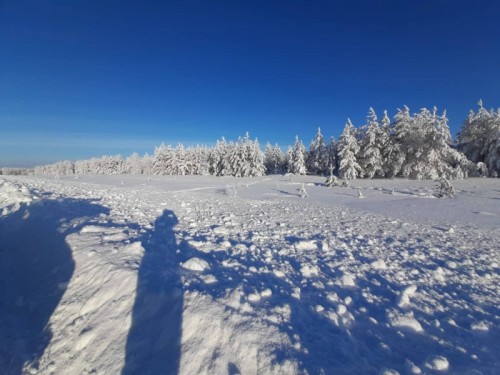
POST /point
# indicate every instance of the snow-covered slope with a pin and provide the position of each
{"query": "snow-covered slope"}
(125, 274)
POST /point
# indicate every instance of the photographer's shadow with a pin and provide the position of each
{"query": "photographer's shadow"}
(154, 340)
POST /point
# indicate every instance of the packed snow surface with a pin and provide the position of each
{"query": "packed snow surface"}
(161, 275)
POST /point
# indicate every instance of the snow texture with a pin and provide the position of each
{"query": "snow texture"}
(163, 274)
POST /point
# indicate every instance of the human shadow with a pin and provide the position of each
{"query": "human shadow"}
(154, 340)
(36, 265)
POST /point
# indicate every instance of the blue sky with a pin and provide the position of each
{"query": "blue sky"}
(84, 78)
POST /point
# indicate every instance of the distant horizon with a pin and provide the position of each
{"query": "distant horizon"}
(85, 79)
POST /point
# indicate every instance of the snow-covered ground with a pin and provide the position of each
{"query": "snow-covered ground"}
(138, 275)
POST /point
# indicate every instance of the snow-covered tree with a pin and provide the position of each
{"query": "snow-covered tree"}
(245, 158)
(332, 155)
(241, 159)
(392, 156)
(60, 168)
(279, 160)
(437, 146)
(182, 164)
(268, 159)
(296, 158)
(317, 157)
(370, 153)
(133, 164)
(173, 161)
(107, 165)
(198, 160)
(83, 167)
(147, 164)
(347, 150)
(162, 159)
(255, 159)
(216, 158)
(479, 138)
(419, 147)
(273, 159)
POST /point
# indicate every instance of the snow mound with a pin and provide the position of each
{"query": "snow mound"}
(389, 371)
(348, 280)
(309, 270)
(404, 297)
(134, 248)
(12, 196)
(379, 265)
(411, 368)
(196, 264)
(254, 297)
(266, 293)
(407, 323)
(209, 279)
(479, 326)
(306, 245)
(437, 363)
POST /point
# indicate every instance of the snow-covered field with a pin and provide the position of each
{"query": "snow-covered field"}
(138, 275)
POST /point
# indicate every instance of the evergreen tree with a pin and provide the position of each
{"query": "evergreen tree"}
(216, 158)
(147, 164)
(268, 159)
(133, 164)
(279, 160)
(479, 138)
(423, 146)
(163, 159)
(317, 157)
(347, 150)
(391, 154)
(296, 158)
(254, 158)
(198, 157)
(243, 158)
(332, 156)
(273, 159)
(370, 155)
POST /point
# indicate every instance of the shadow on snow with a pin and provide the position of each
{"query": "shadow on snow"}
(365, 342)
(36, 266)
(154, 339)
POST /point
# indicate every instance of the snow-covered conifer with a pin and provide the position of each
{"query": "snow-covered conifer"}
(391, 156)
(216, 158)
(347, 150)
(163, 159)
(296, 158)
(133, 164)
(332, 155)
(273, 159)
(370, 154)
(243, 158)
(268, 159)
(420, 147)
(317, 157)
(479, 138)
(198, 160)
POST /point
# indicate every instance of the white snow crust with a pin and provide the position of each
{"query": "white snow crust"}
(164, 274)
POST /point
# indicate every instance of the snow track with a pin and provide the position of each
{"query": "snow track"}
(171, 276)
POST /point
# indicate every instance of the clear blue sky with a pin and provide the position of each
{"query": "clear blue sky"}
(83, 78)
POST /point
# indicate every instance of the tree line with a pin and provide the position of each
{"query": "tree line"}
(416, 146)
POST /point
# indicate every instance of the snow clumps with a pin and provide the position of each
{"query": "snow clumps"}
(195, 264)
